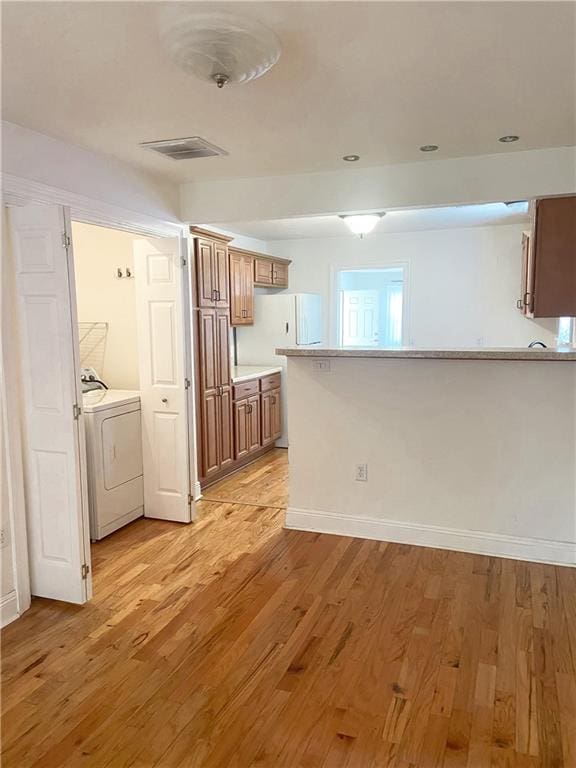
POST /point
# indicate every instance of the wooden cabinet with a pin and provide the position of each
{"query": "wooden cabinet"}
(241, 288)
(247, 426)
(271, 417)
(212, 284)
(280, 274)
(271, 272)
(549, 260)
(215, 391)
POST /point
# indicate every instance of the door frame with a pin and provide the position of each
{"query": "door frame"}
(346, 266)
(17, 191)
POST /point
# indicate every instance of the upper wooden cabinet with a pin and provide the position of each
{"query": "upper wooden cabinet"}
(271, 272)
(212, 270)
(549, 260)
(241, 287)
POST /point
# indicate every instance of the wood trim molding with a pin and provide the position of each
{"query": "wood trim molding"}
(476, 542)
(200, 232)
(17, 190)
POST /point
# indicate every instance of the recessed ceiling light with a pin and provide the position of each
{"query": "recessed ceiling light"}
(351, 158)
(508, 139)
(429, 148)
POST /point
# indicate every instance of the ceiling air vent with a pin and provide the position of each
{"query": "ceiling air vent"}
(184, 149)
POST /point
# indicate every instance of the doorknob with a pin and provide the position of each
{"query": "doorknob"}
(164, 399)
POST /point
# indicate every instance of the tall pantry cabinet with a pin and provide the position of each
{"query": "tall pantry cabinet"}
(212, 305)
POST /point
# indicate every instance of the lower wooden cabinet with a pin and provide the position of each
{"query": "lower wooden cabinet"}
(271, 417)
(247, 426)
(217, 431)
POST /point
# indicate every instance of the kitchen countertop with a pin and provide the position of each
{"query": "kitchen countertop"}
(536, 354)
(246, 372)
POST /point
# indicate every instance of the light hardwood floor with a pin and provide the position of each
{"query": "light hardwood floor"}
(233, 643)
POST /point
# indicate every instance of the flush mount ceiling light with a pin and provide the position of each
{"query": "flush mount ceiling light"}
(508, 139)
(363, 223)
(429, 148)
(351, 158)
(218, 47)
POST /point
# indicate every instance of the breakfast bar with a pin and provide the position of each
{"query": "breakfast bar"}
(466, 449)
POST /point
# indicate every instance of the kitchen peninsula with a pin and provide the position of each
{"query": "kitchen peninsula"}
(466, 449)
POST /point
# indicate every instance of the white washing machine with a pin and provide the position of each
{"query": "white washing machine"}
(114, 452)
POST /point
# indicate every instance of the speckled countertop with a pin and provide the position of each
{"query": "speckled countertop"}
(536, 354)
(247, 372)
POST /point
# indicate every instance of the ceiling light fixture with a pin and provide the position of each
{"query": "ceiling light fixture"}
(218, 47)
(508, 139)
(429, 148)
(351, 158)
(362, 223)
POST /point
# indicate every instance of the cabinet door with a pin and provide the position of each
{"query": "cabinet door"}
(205, 273)
(210, 430)
(280, 274)
(208, 347)
(263, 271)
(266, 406)
(554, 292)
(237, 291)
(221, 278)
(226, 433)
(222, 343)
(248, 290)
(241, 428)
(253, 423)
(276, 414)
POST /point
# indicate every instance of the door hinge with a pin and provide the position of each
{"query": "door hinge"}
(190, 499)
(76, 411)
(85, 570)
(66, 242)
(187, 383)
(184, 262)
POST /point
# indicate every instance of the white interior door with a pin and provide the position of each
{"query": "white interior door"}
(54, 442)
(160, 288)
(360, 318)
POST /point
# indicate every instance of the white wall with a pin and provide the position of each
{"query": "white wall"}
(453, 447)
(39, 158)
(462, 283)
(483, 179)
(102, 297)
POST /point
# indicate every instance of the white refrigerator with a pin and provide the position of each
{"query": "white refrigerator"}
(280, 320)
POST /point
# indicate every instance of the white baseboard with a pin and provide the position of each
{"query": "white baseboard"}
(476, 542)
(8, 608)
(197, 491)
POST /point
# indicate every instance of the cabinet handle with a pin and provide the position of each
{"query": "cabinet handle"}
(526, 299)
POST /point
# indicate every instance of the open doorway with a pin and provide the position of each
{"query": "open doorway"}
(370, 307)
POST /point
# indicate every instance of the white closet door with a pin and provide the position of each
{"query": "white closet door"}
(54, 445)
(162, 355)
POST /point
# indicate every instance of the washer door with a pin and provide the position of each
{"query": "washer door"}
(121, 449)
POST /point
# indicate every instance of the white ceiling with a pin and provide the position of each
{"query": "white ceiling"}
(394, 221)
(377, 79)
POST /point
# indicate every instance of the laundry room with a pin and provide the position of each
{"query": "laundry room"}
(108, 357)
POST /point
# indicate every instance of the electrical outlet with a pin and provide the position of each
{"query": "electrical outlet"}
(321, 365)
(361, 473)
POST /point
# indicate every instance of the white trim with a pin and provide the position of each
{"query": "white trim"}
(477, 542)
(20, 191)
(197, 491)
(9, 608)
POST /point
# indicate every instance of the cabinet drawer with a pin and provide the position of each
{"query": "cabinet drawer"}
(270, 382)
(245, 389)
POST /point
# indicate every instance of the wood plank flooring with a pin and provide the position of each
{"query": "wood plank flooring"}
(233, 643)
